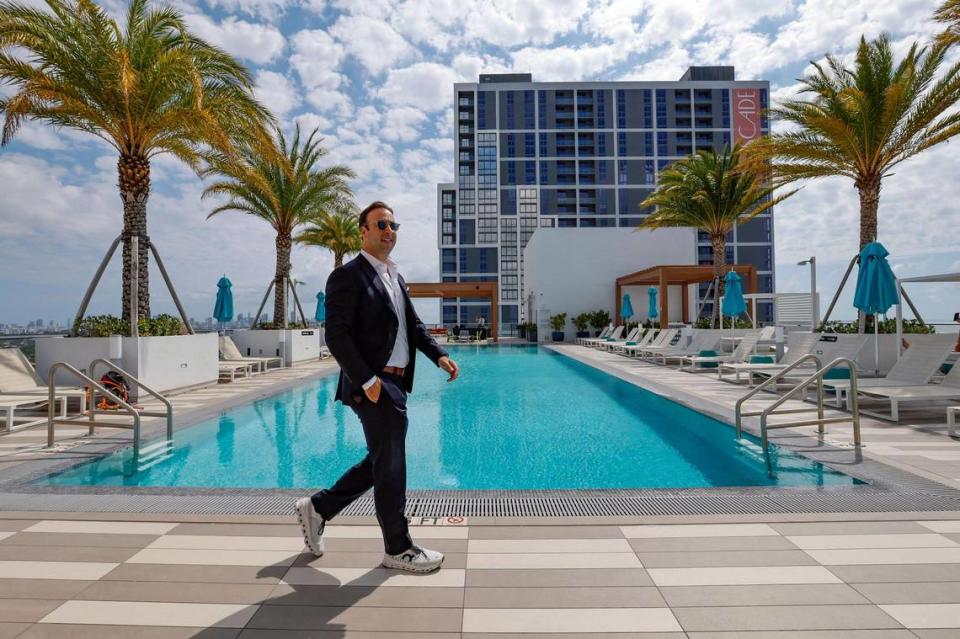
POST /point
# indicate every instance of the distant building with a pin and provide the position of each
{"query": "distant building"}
(580, 155)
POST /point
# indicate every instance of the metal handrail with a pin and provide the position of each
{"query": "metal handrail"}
(820, 421)
(166, 402)
(770, 382)
(51, 410)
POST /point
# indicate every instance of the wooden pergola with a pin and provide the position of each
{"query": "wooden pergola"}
(664, 276)
(461, 289)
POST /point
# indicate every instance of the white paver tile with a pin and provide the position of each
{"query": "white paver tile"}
(699, 530)
(837, 542)
(863, 557)
(171, 556)
(142, 613)
(548, 545)
(72, 570)
(225, 542)
(373, 532)
(103, 527)
(552, 560)
(311, 576)
(949, 526)
(925, 615)
(726, 576)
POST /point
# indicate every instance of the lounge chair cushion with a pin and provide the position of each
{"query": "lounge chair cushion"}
(631, 343)
(228, 349)
(708, 353)
(761, 359)
(840, 372)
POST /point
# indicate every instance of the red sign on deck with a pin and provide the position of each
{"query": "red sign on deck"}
(746, 114)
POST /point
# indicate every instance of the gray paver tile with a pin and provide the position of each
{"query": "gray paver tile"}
(914, 593)
(725, 558)
(41, 588)
(196, 573)
(243, 530)
(64, 540)
(11, 630)
(938, 633)
(69, 553)
(807, 634)
(907, 573)
(557, 577)
(77, 631)
(179, 592)
(408, 596)
(26, 610)
(703, 544)
(850, 528)
(545, 532)
(574, 635)
(953, 537)
(339, 544)
(371, 619)
(745, 618)
(16, 524)
(367, 560)
(338, 634)
(765, 595)
(640, 597)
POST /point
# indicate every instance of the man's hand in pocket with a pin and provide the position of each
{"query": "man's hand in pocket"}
(373, 393)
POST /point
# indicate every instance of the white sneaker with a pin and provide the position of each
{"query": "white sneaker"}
(414, 559)
(311, 524)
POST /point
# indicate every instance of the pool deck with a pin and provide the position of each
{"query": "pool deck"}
(781, 575)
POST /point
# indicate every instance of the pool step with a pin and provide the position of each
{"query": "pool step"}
(153, 454)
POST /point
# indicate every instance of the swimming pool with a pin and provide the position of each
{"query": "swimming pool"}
(520, 417)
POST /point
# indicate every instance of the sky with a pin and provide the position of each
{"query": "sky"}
(376, 77)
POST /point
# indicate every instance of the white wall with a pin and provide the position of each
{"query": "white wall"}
(574, 270)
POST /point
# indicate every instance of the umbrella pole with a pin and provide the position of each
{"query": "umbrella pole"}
(876, 346)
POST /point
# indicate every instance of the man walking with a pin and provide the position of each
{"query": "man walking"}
(373, 332)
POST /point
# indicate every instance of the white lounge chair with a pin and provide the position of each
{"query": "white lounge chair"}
(667, 339)
(18, 377)
(798, 345)
(946, 390)
(609, 345)
(606, 331)
(229, 370)
(741, 353)
(641, 338)
(615, 335)
(654, 337)
(10, 404)
(231, 354)
(701, 341)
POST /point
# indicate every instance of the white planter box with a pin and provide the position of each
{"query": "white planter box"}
(293, 345)
(167, 363)
(866, 358)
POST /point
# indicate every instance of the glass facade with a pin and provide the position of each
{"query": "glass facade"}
(531, 155)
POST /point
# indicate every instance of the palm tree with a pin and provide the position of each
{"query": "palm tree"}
(337, 231)
(712, 192)
(949, 14)
(146, 87)
(862, 122)
(284, 187)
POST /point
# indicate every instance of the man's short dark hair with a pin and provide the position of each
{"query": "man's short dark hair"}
(375, 205)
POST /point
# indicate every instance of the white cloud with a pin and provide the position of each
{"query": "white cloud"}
(372, 42)
(310, 121)
(316, 57)
(277, 92)
(425, 85)
(402, 124)
(566, 63)
(271, 9)
(259, 43)
(438, 145)
(509, 23)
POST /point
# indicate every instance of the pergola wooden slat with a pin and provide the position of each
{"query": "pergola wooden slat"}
(461, 289)
(683, 275)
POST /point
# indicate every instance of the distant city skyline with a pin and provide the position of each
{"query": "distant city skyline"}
(387, 111)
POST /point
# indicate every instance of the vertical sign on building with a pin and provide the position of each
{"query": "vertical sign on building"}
(746, 114)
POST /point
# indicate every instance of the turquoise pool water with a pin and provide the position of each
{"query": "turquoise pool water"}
(518, 418)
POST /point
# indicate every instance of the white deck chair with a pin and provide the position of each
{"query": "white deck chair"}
(10, 404)
(231, 354)
(631, 337)
(18, 377)
(702, 341)
(946, 390)
(642, 337)
(798, 345)
(741, 353)
(916, 366)
(653, 336)
(229, 370)
(606, 331)
(664, 341)
(615, 335)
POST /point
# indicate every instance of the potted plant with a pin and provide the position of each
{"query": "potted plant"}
(581, 321)
(531, 332)
(522, 330)
(558, 323)
(599, 320)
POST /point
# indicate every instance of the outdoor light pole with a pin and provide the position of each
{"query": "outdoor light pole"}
(814, 303)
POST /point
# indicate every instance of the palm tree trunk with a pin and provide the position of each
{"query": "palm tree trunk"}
(134, 173)
(719, 243)
(869, 188)
(337, 260)
(280, 280)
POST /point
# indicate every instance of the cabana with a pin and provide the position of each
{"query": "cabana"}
(683, 276)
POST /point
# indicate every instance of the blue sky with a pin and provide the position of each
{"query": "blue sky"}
(376, 77)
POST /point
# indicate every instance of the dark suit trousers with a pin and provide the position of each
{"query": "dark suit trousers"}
(384, 468)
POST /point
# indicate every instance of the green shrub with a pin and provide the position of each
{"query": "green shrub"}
(581, 321)
(599, 319)
(704, 322)
(888, 326)
(558, 322)
(269, 326)
(107, 325)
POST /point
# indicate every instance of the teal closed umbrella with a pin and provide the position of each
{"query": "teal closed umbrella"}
(626, 307)
(876, 288)
(223, 308)
(321, 314)
(733, 303)
(652, 303)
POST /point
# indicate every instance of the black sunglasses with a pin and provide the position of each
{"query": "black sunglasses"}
(382, 225)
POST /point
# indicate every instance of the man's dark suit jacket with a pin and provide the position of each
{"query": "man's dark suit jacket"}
(362, 326)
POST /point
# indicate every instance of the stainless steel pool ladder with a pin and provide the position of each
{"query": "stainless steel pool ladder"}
(801, 387)
(95, 386)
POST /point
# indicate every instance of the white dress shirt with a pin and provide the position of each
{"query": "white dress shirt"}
(400, 356)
